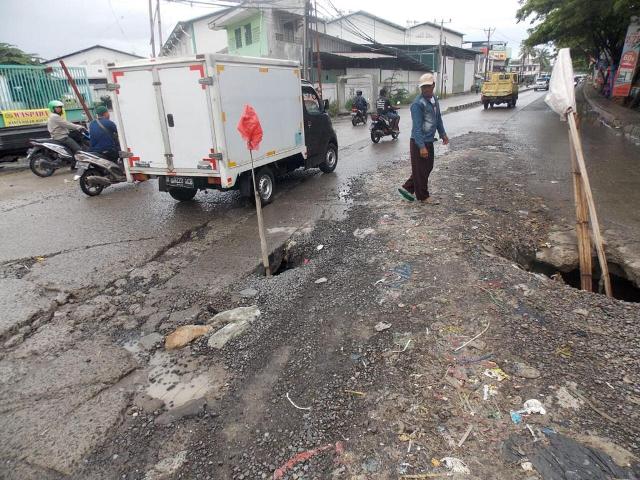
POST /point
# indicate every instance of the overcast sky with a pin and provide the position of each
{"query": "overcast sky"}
(63, 26)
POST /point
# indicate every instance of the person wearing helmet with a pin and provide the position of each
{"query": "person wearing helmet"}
(104, 135)
(384, 107)
(59, 128)
(361, 103)
(426, 118)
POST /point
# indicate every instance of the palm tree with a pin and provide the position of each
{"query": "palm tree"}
(526, 53)
(543, 56)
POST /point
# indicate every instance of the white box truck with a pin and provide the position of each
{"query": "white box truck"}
(178, 120)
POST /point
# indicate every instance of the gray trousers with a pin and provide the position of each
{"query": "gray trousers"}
(71, 143)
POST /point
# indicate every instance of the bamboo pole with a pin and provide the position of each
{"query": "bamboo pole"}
(595, 224)
(263, 242)
(582, 224)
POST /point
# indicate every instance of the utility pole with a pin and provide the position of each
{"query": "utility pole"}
(152, 28)
(318, 63)
(159, 26)
(304, 40)
(440, 53)
(489, 31)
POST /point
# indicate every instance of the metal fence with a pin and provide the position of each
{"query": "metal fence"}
(32, 87)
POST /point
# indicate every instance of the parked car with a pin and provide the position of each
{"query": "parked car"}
(541, 84)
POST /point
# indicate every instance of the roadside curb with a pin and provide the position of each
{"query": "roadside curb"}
(464, 106)
(630, 130)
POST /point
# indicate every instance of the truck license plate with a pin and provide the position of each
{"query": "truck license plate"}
(180, 181)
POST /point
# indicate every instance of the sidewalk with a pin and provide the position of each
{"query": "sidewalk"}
(613, 115)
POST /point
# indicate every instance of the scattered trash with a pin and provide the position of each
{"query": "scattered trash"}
(321, 280)
(561, 457)
(382, 280)
(455, 465)
(527, 466)
(405, 347)
(435, 462)
(363, 232)
(307, 261)
(382, 326)
(319, 247)
(496, 373)
(304, 456)
(474, 338)
(564, 351)
(299, 408)
(184, 335)
(465, 436)
(40, 259)
(516, 417)
(355, 392)
(489, 391)
(530, 407)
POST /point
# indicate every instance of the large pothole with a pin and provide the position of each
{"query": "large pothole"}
(622, 288)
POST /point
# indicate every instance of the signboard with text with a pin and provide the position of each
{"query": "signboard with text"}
(628, 61)
(15, 118)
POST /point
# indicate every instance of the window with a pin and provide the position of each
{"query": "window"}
(311, 101)
(247, 34)
(289, 32)
(238, 34)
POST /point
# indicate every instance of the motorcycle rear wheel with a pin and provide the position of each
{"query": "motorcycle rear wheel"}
(90, 190)
(38, 168)
(354, 121)
(394, 135)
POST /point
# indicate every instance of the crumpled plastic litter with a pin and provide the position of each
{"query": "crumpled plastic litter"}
(455, 465)
(533, 406)
(496, 373)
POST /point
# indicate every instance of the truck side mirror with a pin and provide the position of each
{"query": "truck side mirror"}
(325, 104)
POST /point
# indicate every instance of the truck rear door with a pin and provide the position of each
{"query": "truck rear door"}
(139, 116)
(187, 116)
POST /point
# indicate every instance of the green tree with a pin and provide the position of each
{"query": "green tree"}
(526, 52)
(12, 55)
(588, 27)
(543, 57)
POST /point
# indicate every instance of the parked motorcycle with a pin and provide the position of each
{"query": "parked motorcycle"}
(48, 155)
(95, 173)
(381, 127)
(358, 117)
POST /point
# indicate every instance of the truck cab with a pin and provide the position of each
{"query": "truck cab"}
(500, 87)
(320, 137)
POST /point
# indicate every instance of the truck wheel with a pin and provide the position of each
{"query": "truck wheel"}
(90, 190)
(265, 182)
(330, 159)
(183, 194)
(485, 105)
(38, 167)
(491, 104)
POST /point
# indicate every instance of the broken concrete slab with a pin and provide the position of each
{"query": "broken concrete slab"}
(230, 331)
(236, 315)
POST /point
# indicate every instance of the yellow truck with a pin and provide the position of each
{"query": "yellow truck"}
(500, 87)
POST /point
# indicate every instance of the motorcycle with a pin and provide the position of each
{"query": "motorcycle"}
(95, 173)
(381, 127)
(48, 155)
(358, 116)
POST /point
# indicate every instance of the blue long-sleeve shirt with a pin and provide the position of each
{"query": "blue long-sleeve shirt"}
(100, 140)
(426, 119)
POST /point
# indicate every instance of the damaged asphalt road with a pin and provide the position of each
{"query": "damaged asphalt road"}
(310, 388)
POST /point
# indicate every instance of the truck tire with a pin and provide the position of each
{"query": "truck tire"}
(485, 105)
(330, 159)
(265, 182)
(515, 100)
(183, 194)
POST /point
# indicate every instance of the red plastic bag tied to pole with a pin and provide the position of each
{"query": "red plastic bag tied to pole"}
(250, 128)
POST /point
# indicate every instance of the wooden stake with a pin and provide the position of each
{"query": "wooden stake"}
(263, 241)
(595, 224)
(582, 224)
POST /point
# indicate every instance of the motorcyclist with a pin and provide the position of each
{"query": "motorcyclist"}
(59, 128)
(361, 103)
(385, 108)
(104, 135)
